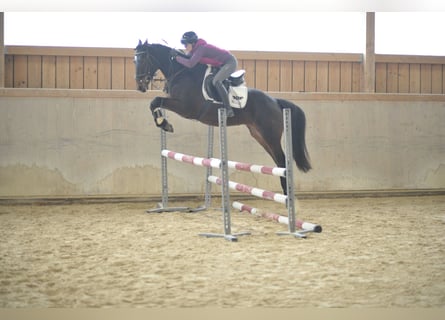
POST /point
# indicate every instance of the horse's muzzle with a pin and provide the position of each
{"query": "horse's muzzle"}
(142, 85)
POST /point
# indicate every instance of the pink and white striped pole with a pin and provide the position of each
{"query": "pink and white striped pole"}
(197, 161)
(260, 193)
(216, 163)
(276, 217)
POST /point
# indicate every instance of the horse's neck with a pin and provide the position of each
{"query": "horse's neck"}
(170, 69)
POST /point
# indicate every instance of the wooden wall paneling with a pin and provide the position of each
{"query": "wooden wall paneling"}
(130, 72)
(310, 76)
(286, 76)
(261, 75)
(425, 78)
(105, 68)
(20, 71)
(117, 73)
(392, 78)
(357, 72)
(62, 72)
(436, 79)
(249, 66)
(403, 78)
(334, 77)
(158, 82)
(380, 77)
(322, 76)
(273, 79)
(104, 72)
(76, 73)
(298, 76)
(34, 71)
(9, 71)
(346, 76)
(90, 72)
(443, 78)
(414, 78)
(48, 72)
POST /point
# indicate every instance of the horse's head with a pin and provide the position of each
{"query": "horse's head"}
(146, 66)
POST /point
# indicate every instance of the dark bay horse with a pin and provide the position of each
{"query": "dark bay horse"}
(262, 114)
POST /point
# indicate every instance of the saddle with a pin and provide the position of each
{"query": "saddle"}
(235, 86)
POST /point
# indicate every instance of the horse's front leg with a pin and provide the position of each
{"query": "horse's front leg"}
(160, 121)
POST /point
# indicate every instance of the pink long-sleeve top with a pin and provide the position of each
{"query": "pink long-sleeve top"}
(206, 54)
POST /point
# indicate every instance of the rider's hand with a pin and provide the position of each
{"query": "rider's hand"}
(173, 54)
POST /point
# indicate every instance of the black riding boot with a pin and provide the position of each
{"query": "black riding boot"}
(224, 98)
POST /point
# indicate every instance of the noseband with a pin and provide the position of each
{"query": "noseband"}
(145, 74)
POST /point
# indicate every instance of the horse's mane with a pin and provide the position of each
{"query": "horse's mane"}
(162, 51)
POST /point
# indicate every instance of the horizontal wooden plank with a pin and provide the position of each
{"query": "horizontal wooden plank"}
(390, 58)
(298, 56)
(356, 96)
(133, 94)
(69, 51)
(126, 52)
(242, 55)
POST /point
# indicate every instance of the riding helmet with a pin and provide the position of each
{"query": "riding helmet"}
(189, 37)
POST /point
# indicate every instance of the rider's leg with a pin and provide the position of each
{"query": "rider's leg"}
(226, 70)
(222, 92)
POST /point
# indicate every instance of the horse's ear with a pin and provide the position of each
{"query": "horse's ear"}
(146, 41)
(140, 42)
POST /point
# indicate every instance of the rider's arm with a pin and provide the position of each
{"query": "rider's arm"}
(193, 60)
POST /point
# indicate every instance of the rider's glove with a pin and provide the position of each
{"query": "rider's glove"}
(173, 54)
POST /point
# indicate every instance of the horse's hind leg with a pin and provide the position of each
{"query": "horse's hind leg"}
(271, 142)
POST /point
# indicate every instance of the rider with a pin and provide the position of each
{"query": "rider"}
(199, 51)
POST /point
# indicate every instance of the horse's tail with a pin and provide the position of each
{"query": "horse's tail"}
(301, 155)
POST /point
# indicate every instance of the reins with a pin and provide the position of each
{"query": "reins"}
(170, 76)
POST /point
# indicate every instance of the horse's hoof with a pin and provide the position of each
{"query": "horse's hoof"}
(167, 127)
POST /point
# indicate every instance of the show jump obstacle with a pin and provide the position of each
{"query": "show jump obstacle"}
(305, 226)
(224, 164)
(163, 206)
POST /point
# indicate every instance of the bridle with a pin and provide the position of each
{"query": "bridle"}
(150, 60)
(145, 74)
